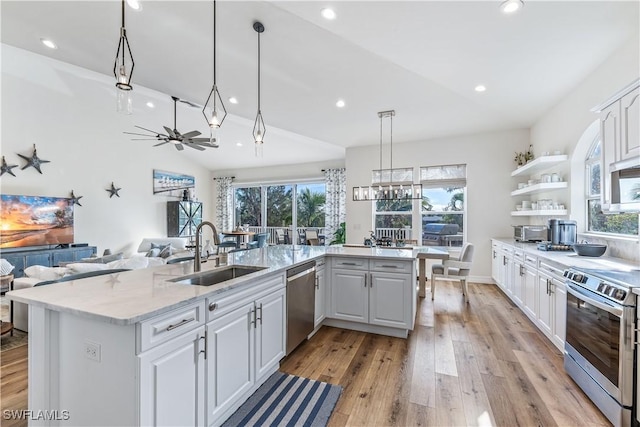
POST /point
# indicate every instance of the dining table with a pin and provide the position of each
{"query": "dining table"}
(240, 235)
(423, 253)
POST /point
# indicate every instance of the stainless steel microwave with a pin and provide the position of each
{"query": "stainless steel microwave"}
(625, 185)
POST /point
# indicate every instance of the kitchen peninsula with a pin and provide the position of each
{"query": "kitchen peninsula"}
(137, 348)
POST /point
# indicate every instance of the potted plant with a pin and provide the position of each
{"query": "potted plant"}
(340, 236)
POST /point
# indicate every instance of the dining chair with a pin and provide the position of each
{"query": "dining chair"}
(311, 238)
(281, 237)
(227, 243)
(454, 269)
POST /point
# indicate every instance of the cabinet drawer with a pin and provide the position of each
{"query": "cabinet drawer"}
(225, 302)
(166, 326)
(391, 266)
(553, 269)
(531, 260)
(351, 263)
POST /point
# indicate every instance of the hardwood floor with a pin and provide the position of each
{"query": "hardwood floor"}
(13, 384)
(482, 363)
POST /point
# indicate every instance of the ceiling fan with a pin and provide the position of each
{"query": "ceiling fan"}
(173, 136)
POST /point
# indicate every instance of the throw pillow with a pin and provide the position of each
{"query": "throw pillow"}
(5, 267)
(45, 273)
(165, 250)
(153, 252)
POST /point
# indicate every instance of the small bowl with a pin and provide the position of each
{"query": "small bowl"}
(589, 249)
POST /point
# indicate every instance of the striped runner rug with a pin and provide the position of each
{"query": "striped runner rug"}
(287, 400)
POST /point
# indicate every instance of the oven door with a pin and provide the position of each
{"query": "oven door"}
(598, 339)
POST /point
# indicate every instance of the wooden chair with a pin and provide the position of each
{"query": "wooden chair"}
(281, 237)
(454, 269)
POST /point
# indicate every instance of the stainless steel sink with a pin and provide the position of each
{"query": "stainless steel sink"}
(216, 276)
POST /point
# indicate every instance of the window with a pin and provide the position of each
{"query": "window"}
(443, 205)
(597, 221)
(292, 207)
(393, 218)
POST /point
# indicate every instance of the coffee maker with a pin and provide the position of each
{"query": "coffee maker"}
(563, 232)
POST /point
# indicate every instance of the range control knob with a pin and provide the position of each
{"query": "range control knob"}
(577, 278)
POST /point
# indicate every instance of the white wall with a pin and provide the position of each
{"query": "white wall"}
(69, 113)
(564, 125)
(489, 160)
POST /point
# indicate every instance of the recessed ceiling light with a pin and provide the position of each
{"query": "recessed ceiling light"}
(481, 88)
(150, 104)
(48, 43)
(135, 5)
(328, 13)
(239, 144)
(511, 6)
(233, 100)
(340, 103)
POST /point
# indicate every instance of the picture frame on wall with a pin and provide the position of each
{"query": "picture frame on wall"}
(172, 183)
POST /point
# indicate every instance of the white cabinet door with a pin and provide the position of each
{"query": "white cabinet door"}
(390, 299)
(630, 131)
(518, 282)
(321, 294)
(545, 309)
(349, 295)
(230, 359)
(529, 291)
(559, 294)
(507, 273)
(610, 134)
(172, 382)
(270, 332)
(496, 259)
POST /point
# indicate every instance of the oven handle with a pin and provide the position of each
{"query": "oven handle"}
(580, 294)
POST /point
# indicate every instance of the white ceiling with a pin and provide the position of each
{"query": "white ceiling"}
(421, 58)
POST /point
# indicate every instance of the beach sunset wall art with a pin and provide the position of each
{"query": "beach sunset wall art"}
(35, 221)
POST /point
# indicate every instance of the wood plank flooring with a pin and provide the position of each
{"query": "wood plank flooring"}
(477, 364)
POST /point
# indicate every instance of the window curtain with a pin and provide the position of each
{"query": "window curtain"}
(224, 203)
(335, 202)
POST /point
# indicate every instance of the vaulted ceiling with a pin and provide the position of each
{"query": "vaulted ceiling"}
(421, 58)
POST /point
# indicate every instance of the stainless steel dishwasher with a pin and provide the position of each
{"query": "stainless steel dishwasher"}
(301, 300)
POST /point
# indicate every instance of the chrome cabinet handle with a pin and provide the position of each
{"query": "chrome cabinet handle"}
(494, 254)
(371, 279)
(317, 282)
(389, 266)
(177, 325)
(253, 322)
(348, 263)
(213, 306)
(547, 286)
(365, 280)
(206, 344)
(504, 260)
(259, 318)
(521, 272)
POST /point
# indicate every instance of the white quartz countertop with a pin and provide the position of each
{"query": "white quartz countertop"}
(570, 258)
(132, 296)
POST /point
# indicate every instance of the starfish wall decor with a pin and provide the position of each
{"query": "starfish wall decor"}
(75, 200)
(113, 191)
(34, 160)
(6, 167)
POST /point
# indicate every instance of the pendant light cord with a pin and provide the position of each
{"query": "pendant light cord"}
(258, 73)
(123, 31)
(391, 144)
(214, 44)
(381, 147)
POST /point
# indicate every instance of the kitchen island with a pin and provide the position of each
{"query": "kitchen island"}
(137, 348)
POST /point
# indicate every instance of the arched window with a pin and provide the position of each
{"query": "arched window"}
(597, 221)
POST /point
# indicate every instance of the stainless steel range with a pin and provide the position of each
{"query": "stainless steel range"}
(599, 344)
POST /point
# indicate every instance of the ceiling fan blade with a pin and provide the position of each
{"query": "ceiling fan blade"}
(144, 139)
(200, 139)
(195, 147)
(191, 134)
(179, 147)
(139, 134)
(148, 130)
(161, 143)
(170, 132)
(190, 104)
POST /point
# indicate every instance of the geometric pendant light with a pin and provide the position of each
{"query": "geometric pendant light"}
(123, 72)
(214, 101)
(258, 127)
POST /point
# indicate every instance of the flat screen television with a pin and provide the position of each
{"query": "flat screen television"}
(35, 221)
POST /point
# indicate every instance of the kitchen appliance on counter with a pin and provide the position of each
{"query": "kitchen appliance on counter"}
(563, 232)
(599, 345)
(301, 303)
(548, 246)
(530, 233)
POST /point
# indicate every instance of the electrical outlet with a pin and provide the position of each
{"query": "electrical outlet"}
(92, 350)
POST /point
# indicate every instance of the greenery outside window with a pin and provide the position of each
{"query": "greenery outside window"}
(443, 202)
(625, 224)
